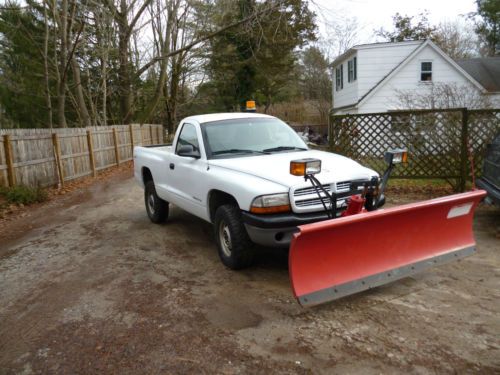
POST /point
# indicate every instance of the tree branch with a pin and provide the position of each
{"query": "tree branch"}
(136, 17)
(207, 37)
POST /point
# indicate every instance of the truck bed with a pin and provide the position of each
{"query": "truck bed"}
(167, 147)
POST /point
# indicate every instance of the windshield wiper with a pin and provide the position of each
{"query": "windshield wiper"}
(284, 148)
(239, 151)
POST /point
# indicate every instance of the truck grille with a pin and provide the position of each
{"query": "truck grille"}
(309, 190)
(307, 200)
(340, 187)
(343, 186)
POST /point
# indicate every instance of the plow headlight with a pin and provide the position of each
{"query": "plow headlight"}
(270, 204)
(396, 156)
(305, 167)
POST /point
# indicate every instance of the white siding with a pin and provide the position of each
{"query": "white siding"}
(408, 78)
(376, 62)
(347, 111)
(494, 100)
(349, 94)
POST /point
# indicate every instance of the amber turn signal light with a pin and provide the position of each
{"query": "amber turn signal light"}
(396, 156)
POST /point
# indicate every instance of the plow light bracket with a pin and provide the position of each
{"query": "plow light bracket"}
(396, 156)
(305, 167)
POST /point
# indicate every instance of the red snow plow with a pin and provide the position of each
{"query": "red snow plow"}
(362, 250)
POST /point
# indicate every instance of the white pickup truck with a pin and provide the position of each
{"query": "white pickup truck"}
(233, 170)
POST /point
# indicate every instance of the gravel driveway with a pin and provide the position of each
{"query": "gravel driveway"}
(89, 285)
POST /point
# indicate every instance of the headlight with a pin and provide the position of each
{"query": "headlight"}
(304, 167)
(270, 204)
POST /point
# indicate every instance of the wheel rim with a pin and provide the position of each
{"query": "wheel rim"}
(225, 239)
(151, 203)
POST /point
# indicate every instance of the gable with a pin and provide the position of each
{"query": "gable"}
(448, 70)
(377, 63)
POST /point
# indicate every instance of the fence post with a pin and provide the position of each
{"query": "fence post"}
(464, 148)
(9, 159)
(90, 146)
(142, 136)
(330, 132)
(117, 152)
(131, 128)
(159, 129)
(57, 155)
(151, 135)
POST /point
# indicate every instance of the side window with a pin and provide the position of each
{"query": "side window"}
(355, 67)
(351, 70)
(188, 136)
(339, 78)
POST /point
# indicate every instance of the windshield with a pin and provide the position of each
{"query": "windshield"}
(249, 136)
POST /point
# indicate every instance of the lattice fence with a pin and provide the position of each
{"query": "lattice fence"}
(440, 142)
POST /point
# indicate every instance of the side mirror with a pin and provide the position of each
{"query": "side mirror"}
(189, 151)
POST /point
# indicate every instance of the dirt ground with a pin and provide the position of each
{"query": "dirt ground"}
(88, 285)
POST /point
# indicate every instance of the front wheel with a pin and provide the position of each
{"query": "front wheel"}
(236, 250)
(156, 207)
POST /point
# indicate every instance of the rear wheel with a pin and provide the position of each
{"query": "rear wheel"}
(156, 207)
(236, 250)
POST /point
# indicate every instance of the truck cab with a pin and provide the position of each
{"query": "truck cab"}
(233, 170)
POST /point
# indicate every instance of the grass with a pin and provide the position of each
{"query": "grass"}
(22, 195)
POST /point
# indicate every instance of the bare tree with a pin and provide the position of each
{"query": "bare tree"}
(457, 39)
(126, 16)
(442, 96)
(340, 36)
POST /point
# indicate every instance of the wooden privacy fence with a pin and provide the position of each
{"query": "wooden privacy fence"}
(441, 143)
(45, 157)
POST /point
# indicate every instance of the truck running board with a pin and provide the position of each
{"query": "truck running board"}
(339, 257)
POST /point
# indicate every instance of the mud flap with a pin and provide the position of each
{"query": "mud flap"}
(335, 258)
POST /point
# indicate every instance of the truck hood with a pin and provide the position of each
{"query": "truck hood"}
(276, 167)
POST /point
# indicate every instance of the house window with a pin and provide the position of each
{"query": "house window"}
(339, 78)
(355, 64)
(352, 70)
(426, 71)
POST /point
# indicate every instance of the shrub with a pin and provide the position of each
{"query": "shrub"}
(23, 194)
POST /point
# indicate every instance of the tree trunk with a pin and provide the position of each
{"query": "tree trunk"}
(63, 56)
(80, 98)
(124, 72)
(46, 66)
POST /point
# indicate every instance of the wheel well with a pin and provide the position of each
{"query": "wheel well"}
(146, 175)
(218, 198)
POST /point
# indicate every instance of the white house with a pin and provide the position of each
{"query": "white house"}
(368, 77)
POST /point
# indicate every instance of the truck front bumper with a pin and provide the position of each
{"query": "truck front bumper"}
(277, 230)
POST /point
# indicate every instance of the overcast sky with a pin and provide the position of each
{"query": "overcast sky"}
(374, 14)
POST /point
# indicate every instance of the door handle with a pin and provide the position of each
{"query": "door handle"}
(172, 166)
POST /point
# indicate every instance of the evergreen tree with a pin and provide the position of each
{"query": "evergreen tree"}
(488, 26)
(257, 61)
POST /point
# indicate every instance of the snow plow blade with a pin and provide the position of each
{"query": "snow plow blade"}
(335, 258)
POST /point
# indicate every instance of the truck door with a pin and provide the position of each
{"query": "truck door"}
(187, 174)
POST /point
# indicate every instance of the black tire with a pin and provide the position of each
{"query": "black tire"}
(236, 250)
(156, 207)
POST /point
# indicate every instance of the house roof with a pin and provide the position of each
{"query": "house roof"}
(485, 70)
(352, 50)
